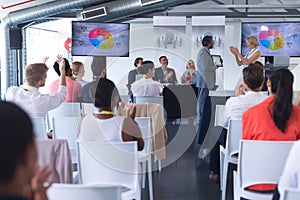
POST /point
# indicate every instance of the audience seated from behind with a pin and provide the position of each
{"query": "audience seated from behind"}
(99, 71)
(78, 72)
(291, 174)
(132, 74)
(146, 86)
(189, 73)
(235, 106)
(28, 97)
(20, 177)
(274, 119)
(164, 74)
(109, 126)
(73, 88)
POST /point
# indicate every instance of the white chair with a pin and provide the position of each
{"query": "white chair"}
(88, 108)
(145, 155)
(113, 163)
(259, 162)
(229, 154)
(39, 127)
(219, 115)
(66, 109)
(79, 192)
(67, 128)
(290, 194)
(144, 99)
(125, 98)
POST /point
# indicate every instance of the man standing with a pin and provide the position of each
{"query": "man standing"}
(206, 75)
(164, 74)
(99, 71)
(28, 97)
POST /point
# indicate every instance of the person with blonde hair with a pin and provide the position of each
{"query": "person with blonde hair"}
(251, 56)
(78, 72)
(190, 71)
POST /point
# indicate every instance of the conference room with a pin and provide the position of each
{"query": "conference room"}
(180, 127)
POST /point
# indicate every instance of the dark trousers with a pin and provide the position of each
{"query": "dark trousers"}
(214, 164)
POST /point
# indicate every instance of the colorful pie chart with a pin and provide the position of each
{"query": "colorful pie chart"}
(101, 39)
(271, 39)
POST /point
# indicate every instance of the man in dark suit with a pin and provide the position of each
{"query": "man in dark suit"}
(164, 74)
(132, 74)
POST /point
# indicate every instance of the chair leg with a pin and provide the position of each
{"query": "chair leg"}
(143, 174)
(225, 172)
(159, 165)
(150, 185)
(221, 169)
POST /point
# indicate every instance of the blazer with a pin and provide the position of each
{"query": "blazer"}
(131, 79)
(159, 75)
(206, 68)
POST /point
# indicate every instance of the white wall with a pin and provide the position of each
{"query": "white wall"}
(141, 45)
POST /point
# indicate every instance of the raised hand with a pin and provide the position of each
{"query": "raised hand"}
(38, 181)
(45, 59)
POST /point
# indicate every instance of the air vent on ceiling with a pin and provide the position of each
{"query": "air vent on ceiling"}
(147, 2)
(93, 13)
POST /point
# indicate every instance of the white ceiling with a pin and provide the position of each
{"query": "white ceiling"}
(230, 8)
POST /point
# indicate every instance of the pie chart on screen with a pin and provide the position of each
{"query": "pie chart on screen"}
(271, 39)
(101, 38)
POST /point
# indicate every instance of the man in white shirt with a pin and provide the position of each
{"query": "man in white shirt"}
(249, 95)
(28, 97)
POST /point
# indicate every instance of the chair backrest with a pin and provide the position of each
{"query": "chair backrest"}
(233, 137)
(66, 128)
(125, 98)
(145, 126)
(261, 162)
(219, 115)
(290, 194)
(143, 99)
(66, 109)
(39, 127)
(56, 153)
(88, 108)
(79, 192)
(108, 163)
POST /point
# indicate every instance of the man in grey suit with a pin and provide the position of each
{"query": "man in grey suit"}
(206, 72)
(164, 74)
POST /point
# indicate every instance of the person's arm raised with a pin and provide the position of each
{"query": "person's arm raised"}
(61, 62)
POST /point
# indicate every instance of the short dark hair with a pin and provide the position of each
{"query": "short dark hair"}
(146, 65)
(161, 57)
(16, 134)
(253, 76)
(67, 68)
(206, 40)
(137, 60)
(105, 93)
(98, 65)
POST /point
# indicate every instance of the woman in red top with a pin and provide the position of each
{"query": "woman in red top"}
(275, 118)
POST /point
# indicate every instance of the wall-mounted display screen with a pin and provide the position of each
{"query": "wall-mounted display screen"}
(275, 38)
(100, 39)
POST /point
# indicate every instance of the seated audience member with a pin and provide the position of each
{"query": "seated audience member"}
(164, 74)
(28, 97)
(190, 71)
(146, 86)
(111, 127)
(73, 88)
(275, 118)
(20, 178)
(132, 74)
(98, 67)
(235, 106)
(78, 72)
(291, 173)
